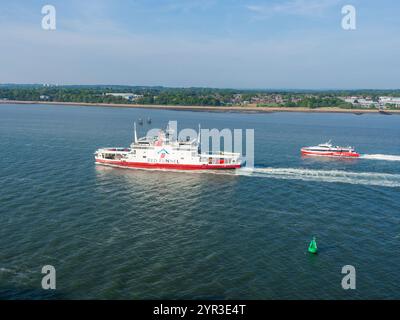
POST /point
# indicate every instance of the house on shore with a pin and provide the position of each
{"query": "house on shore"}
(127, 96)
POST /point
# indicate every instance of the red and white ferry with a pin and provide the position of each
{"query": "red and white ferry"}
(165, 152)
(328, 150)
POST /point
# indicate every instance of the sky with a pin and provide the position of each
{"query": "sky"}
(261, 44)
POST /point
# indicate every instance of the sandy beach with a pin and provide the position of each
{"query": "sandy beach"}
(247, 108)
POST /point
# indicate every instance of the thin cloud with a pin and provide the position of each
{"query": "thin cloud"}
(188, 6)
(293, 7)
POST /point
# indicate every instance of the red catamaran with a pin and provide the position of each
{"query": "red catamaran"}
(328, 150)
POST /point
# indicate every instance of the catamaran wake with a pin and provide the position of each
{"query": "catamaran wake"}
(336, 176)
(386, 157)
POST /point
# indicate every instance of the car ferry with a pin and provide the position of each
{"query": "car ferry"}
(328, 150)
(165, 152)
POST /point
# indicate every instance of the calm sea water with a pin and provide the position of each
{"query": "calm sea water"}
(134, 234)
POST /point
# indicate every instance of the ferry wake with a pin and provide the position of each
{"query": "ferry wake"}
(165, 152)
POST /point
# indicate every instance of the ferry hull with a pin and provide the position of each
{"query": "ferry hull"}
(165, 152)
(166, 166)
(330, 154)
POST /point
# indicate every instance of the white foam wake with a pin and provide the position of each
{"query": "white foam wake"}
(338, 176)
(333, 176)
(386, 157)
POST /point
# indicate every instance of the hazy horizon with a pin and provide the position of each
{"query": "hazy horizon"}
(248, 45)
(196, 87)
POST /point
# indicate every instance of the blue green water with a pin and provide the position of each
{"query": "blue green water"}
(135, 234)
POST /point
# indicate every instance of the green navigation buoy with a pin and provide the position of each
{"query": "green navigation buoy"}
(312, 248)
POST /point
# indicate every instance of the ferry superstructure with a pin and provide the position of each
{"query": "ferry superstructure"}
(168, 153)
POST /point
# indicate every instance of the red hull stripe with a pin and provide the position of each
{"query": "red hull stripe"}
(331, 154)
(172, 166)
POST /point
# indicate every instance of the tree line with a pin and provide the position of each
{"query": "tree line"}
(184, 96)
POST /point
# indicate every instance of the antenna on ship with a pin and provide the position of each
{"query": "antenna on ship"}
(134, 129)
(199, 135)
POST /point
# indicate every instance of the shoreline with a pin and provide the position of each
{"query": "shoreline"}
(248, 109)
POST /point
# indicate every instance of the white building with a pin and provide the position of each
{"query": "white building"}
(390, 100)
(350, 99)
(127, 96)
(366, 103)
